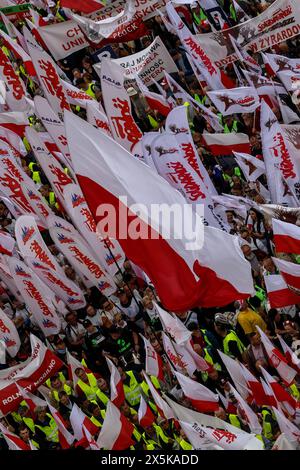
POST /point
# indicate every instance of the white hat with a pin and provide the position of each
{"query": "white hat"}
(51, 4)
(131, 91)
(194, 4)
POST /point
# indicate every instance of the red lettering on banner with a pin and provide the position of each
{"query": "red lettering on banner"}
(3, 327)
(185, 178)
(177, 361)
(125, 126)
(277, 16)
(52, 83)
(12, 169)
(220, 433)
(40, 254)
(11, 78)
(36, 295)
(89, 221)
(63, 178)
(79, 95)
(84, 259)
(280, 150)
(102, 125)
(60, 284)
(43, 210)
(8, 181)
(191, 158)
(201, 54)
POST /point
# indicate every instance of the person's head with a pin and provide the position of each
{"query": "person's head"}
(90, 311)
(103, 384)
(24, 433)
(87, 63)
(123, 296)
(44, 190)
(246, 249)
(76, 73)
(255, 339)
(40, 412)
(213, 374)
(70, 273)
(81, 374)
(274, 315)
(55, 381)
(289, 326)
(23, 410)
(60, 346)
(94, 410)
(221, 324)
(82, 84)
(237, 189)
(71, 318)
(230, 216)
(63, 397)
(269, 265)
(87, 77)
(125, 409)
(115, 333)
(149, 292)
(147, 302)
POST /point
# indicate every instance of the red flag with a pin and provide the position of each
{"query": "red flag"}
(225, 144)
(145, 415)
(116, 431)
(163, 407)
(84, 6)
(279, 294)
(201, 397)
(117, 394)
(286, 237)
(277, 360)
(255, 386)
(14, 442)
(293, 360)
(31, 400)
(290, 273)
(78, 419)
(7, 243)
(65, 437)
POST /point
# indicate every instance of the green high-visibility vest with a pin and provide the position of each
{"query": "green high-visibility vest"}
(133, 390)
(153, 123)
(233, 129)
(51, 430)
(29, 423)
(67, 389)
(234, 420)
(232, 336)
(233, 12)
(267, 427)
(200, 99)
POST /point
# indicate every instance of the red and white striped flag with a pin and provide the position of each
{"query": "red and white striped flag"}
(290, 272)
(116, 431)
(173, 326)
(270, 397)
(14, 442)
(236, 373)
(74, 364)
(277, 360)
(154, 100)
(117, 394)
(280, 393)
(293, 359)
(279, 294)
(66, 439)
(286, 237)
(226, 144)
(15, 122)
(78, 419)
(19, 53)
(145, 415)
(163, 407)
(154, 363)
(201, 397)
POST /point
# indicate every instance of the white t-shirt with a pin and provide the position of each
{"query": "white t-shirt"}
(96, 319)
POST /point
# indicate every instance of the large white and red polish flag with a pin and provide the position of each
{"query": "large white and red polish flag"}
(236, 373)
(19, 53)
(279, 294)
(84, 6)
(290, 272)
(116, 431)
(32, 373)
(162, 406)
(117, 395)
(167, 259)
(173, 326)
(39, 299)
(270, 396)
(145, 415)
(201, 397)
(280, 393)
(9, 334)
(277, 360)
(251, 166)
(286, 237)
(154, 363)
(78, 419)
(226, 144)
(293, 359)
(66, 439)
(15, 122)
(13, 441)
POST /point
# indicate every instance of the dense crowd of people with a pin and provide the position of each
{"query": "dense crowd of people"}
(113, 327)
